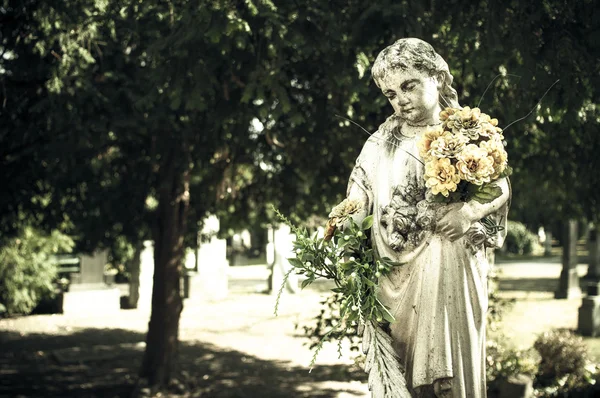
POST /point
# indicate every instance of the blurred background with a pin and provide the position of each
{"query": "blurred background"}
(145, 145)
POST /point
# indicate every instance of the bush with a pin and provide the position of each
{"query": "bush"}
(28, 268)
(564, 365)
(503, 362)
(520, 240)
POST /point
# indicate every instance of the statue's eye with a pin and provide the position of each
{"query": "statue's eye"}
(409, 86)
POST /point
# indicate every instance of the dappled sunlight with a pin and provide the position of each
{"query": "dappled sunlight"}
(45, 365)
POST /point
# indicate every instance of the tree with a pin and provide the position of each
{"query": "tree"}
(137, 119)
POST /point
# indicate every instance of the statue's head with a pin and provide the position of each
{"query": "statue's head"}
(415, 79)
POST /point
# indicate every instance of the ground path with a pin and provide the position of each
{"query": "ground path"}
(235, 347)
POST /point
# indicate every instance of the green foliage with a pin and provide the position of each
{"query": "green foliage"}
(349, 261)
(520, 240)
(104, 102)
(497, 305)
(564, 364)
(503, 362)
(28, 268)
(328, 319)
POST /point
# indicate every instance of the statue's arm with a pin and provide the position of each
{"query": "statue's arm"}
(460, 216)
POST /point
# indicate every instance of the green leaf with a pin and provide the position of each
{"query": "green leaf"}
(507, 172)
(367, 223)
(306, 282)
(485, 194)
(296, 263)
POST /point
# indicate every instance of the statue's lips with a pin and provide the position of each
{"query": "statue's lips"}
(408, 110)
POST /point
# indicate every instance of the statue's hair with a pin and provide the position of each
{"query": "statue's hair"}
(420, 55)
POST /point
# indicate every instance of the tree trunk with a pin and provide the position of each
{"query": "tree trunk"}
(163, 331)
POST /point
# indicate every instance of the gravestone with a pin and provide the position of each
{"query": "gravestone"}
(134, 278)
(212, 280)
(88, 293)
(568, 285)
(589, 312)
(146, 275)
(593, 274)
(282, 249)
(548, 244)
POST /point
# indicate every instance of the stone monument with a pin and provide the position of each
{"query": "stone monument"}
(589, 312)
(279, 250)
(568, 284)
(438, 294)
(88, 293)
(212, 281)
(146, 276)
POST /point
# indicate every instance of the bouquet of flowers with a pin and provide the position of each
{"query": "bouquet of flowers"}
(463, 156)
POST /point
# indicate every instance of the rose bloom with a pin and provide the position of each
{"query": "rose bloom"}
(465, 121)
(441, 176)
(475, 165)
(430, 135)
(495, 149)
(448, 145)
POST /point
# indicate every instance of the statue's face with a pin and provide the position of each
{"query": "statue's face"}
(413, 94)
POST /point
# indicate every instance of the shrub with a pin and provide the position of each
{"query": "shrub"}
(28, 268)
(564, 365)
(520, 240)
(503, 362)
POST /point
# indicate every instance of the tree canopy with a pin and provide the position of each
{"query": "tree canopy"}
(136, 119)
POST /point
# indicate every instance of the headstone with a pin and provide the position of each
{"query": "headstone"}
(212, 280)
(589, 313)
(92, 267)
(90, 294)
(588, 323)
(548, 244)
(283, 244)
(146, 278)
(593, 274)
(134, 279)
(568, 286)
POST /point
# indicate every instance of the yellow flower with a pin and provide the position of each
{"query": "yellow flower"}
(495, 149)
(475, 165)
(448, 145)
(441, 177)
(430, 135)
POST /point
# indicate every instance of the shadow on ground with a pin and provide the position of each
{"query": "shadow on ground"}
(105, 362)
(529, 284)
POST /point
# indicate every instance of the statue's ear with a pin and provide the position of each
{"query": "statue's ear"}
(441, 79)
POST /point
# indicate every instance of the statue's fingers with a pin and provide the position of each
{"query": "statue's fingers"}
(445, 229)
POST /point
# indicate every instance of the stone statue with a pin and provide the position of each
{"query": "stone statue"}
(438, 296)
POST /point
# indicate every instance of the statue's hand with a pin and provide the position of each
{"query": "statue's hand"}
(456, 220)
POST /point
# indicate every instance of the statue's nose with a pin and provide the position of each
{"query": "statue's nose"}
(402, 100)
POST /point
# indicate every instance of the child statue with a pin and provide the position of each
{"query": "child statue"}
(438, 296)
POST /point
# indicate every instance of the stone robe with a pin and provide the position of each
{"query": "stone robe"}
(439, 295)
